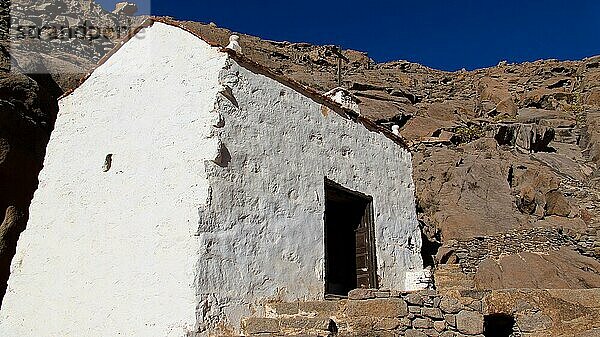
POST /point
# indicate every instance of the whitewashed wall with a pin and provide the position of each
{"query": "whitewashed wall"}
(115, 253)
(262, 236)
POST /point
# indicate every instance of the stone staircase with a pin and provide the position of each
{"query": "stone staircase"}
(313, 318)
(372, 313)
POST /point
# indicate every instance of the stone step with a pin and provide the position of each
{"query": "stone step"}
(288, 326)
(451, 276)
(371, 312)
(306, 309)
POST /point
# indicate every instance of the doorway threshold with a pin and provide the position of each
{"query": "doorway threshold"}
(334, 297)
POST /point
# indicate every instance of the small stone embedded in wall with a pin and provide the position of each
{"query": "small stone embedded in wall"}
(415, 333)
(414, 299)
(422, 323)
(223, 156)
(439, 326)
(360, 294)
(469, 322)
(393, 307)
(107, 163)
(432, 313)
(450, 320)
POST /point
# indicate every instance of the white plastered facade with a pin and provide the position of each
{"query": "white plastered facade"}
(213, 203)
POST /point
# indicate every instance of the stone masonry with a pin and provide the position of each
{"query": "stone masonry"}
(372, 313)
(470, 253)
(430, 313)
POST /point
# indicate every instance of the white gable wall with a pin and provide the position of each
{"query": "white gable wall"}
(114, 253)
(262, 236)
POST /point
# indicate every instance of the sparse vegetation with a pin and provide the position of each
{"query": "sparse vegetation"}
(469, 133)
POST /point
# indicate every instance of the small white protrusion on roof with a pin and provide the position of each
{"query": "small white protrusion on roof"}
(396, 130)
(234, 44)
(345, 98)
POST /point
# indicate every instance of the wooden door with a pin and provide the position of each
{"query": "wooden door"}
(365, 251)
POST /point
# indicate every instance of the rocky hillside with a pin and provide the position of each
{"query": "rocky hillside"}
(505, 159)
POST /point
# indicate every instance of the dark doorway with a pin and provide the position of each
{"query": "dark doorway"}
(498, 325)
(429, 249)
(349, 241)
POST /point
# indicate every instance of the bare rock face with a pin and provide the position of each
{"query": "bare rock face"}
(125, 8)
(12, 225)
(471, 178)
(557, 204)
(24, 132)
(559, 313)
(494, 98)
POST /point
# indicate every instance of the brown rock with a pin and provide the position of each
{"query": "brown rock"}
(420, 127)
(434, 313)
(414, 299)
(556, 204)
(593, 97)
(450, 320)
(560, 312)
(362, 323)
(125, 8)
(439, 326)
(284, 308)
(360, 294)
(448, 334)
(304, 323)
(452, 188)
(450, 305)
(422, 323)
(391, 308)
(469, 322)
(533, 322)
(320, 308)
(387, 324)
(507, 107)
(493, 90)
(255, 325)
(414, 333)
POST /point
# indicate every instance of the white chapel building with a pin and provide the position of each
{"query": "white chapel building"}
(185, 185)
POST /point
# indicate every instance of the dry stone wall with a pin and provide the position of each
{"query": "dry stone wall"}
(471, 253)
(429, 313)
(588, 242)
(373, 313)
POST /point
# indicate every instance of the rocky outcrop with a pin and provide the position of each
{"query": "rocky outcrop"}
(125, 8)
(27, 110)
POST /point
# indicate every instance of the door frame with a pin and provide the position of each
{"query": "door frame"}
(367, 220)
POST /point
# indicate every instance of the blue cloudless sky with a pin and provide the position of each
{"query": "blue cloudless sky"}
(448, 35)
